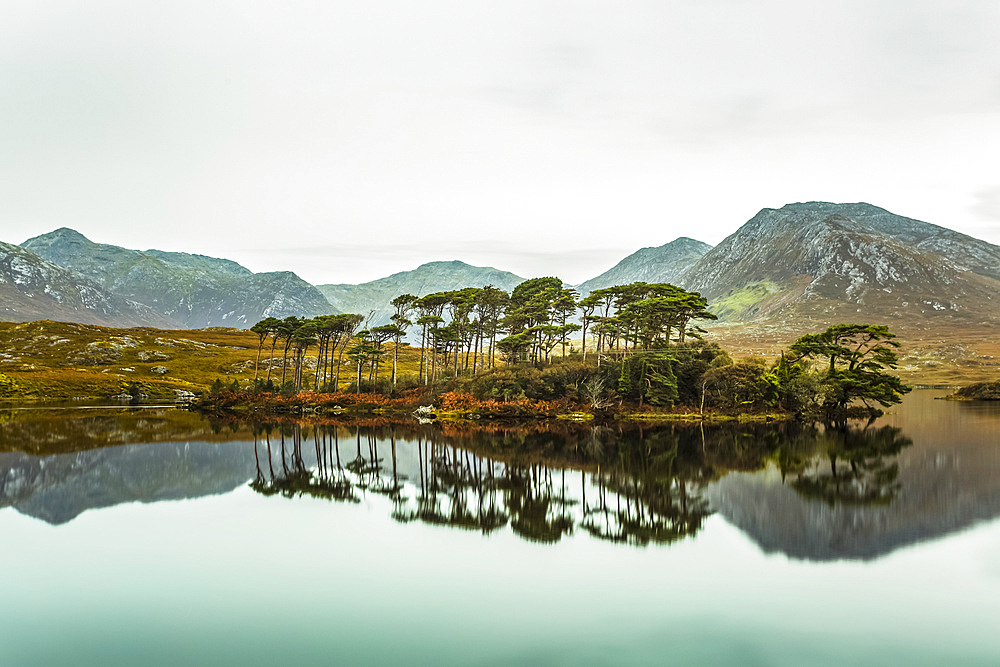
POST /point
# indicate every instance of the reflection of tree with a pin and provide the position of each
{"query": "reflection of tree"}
(860, 470)
(655, 493)
(537, 512)
(456, 489)
(327, 480)
(624, 483)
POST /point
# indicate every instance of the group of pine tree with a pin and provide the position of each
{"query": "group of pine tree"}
(638, 343)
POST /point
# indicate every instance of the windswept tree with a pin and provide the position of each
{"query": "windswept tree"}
(360, 353)
(266, 327)
(286, 329)
(530, 311)
(377, 337)
(430, 307)
(344, 326)
(404, 305)
(302, 338)
(857, 357)
(587, 306)
(491, 303)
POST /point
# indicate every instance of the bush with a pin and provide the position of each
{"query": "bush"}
(742, 386)
(561, 380)
(694, 359)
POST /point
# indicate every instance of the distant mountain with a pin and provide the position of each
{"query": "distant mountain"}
(33, 288)
(425, 279)
(848, 261)
(663, 264)
(190, 291)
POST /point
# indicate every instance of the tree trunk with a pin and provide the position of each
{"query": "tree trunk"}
(423, 351)
(270, 361)
(256, 364)
(340, 357)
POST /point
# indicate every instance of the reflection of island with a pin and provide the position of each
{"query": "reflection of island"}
(624, 495)
(878, 501)
(806, 492)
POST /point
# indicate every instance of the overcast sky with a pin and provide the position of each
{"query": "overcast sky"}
(349, 140)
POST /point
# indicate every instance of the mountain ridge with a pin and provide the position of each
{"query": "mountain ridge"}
(835, 260)
(190, 291)
(660, 264)
(806, 261)
(32, 287)
(430, 277)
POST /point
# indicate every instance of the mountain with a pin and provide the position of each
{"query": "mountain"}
(832, 261)
(425, 279)
(190, 291)
(33, 288)
(663, 264)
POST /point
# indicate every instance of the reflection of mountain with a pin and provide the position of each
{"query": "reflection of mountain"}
(853, 494)
(58, 488)
(947, 481)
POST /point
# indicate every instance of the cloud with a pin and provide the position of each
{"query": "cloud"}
(987, 204)
(557, 122)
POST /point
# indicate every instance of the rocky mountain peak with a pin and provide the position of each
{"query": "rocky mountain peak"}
(853, 257)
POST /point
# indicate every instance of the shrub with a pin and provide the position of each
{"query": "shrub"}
(8, 386)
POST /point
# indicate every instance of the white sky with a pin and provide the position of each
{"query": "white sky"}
(349, 140)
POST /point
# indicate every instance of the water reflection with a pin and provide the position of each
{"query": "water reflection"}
(928, 469)
(626, 484)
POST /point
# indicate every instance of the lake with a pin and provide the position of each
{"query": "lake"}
(152, 536)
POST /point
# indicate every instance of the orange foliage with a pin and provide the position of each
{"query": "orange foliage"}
(525, 407)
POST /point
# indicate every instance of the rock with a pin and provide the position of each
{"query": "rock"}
(97, 353)
(152, 355)
(158, 370)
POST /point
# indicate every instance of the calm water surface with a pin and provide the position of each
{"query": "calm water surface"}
(154, 536)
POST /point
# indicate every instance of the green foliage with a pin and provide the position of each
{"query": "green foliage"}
(8, 386)
(559, 380)
(741, 386)
(856, 357)
(625, 379)
(660, 381)
(692, 360)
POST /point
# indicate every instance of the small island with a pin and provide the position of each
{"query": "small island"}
(484, 353)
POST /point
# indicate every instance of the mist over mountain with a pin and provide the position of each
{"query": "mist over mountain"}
(32, 288)
(421, 281)
(663, 264)
(190, 291)
(837, 261)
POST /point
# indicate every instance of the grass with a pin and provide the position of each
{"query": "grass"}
(740, 301)
(47, 360)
